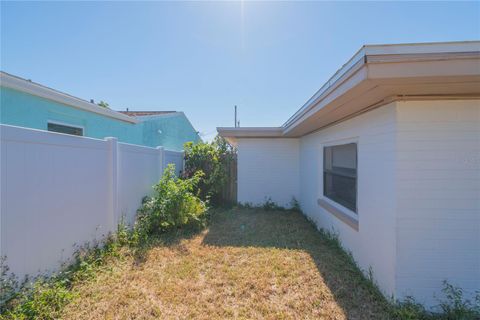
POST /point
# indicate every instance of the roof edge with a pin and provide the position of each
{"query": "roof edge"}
(250, 132)
(368, 54)
(20, 84)
(355, 62)
(154, 116)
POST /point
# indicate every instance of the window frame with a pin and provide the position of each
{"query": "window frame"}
(66, 125)
(324, 171)
(340, 212)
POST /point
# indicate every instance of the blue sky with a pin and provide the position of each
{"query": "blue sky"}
(204, 57)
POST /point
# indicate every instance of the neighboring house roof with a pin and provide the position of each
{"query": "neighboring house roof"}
(376, 75)
(149, 115)
(145, 113)
(27, 86)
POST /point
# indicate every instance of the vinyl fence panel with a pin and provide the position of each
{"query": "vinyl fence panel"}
(61, 191)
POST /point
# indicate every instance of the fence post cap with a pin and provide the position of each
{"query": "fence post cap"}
(111, 139)
(160, 148)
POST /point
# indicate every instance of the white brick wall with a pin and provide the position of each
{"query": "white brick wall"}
(418, 191)
(268, 168)
(373, 245)
(438, 197)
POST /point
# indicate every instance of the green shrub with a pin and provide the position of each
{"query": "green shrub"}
(173, 204)
(213, 159)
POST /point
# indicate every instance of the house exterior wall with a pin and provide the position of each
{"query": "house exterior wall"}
(268, 168)
(438, 197)
(373, 245)
(418, 191)
(26, 110)
(170, 131)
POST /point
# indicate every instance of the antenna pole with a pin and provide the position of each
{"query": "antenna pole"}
(235, 116)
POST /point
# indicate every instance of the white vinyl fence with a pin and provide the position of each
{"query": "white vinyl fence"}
(176, 158)
(60, 191)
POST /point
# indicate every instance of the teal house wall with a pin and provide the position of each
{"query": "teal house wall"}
(171, 130)
(27, 110)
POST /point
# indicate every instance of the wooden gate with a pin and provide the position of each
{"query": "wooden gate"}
(229, 193)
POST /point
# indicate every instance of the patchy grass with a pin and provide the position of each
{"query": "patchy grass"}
(249, 264)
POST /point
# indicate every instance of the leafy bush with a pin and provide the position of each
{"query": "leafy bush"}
(213, 159)
(174, 204)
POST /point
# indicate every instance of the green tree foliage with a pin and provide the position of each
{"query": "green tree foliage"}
(213, 160)
(103, 104)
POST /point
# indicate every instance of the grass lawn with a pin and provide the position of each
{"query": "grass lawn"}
(249, 264)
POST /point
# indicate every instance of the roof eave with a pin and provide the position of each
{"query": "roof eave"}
(389, 70)
(232, 134)
(19, 84)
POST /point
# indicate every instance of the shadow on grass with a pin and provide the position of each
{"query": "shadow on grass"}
(358, 298)
(170, 238)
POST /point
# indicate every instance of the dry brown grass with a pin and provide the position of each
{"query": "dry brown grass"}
(249, 264)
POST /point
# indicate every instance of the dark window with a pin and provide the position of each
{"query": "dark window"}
(340, 174)
(65, 129)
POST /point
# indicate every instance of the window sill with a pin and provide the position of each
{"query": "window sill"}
(339, 214)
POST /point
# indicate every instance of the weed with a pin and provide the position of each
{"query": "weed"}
(409, 309)
(295, 205)
(270, 205)
(455, 306)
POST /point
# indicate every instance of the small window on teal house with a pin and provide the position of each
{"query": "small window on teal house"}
(63, 128)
